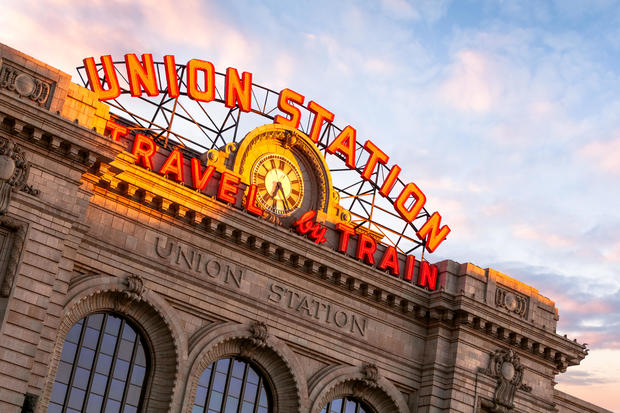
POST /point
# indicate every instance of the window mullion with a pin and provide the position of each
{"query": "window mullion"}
(211, 378)
(97, 350)
(227, 385)
(113, 364)
(130, 371)
(74, 366)
(245, 379)
(257, 397)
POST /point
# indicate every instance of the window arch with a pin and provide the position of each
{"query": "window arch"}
(346, 405)
(232, 385)
(103, 367)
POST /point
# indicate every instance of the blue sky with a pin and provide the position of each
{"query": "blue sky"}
(506, 113)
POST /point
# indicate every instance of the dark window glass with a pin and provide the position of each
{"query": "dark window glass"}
(102, 368)
(345, 405)
(231, 386)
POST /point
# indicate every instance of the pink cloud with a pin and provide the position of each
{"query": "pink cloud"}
(604, 154)
(470, 86)
(540, 234)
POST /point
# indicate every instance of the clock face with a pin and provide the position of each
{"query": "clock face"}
(279, 183)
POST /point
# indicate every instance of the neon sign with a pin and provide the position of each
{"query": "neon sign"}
(199, 82)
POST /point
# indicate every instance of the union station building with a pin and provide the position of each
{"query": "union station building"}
(141, 276)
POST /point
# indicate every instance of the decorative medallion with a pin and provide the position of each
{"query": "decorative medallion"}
(506, 368)
(512, 302)
(25, 84)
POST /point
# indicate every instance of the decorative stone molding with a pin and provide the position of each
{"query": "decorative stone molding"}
(14, 170)
(259, 332)
(135, 287)
(370, 372)
(258, 339)
(273, 358)
(511, 301)
(25, 84)
(18, 230)
(505, 367)
(363, 382)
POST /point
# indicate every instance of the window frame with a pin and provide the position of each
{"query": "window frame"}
(263, 380)
(140, 340)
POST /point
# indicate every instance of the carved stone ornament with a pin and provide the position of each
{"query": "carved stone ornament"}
(135, 287)
(259, 332)
(257, 340)
(25, 84)
(506, 368)
(512, 302)
(133, 292)
(14, 170)
(370, 374)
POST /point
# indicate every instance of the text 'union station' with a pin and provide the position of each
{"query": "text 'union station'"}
(176, 239)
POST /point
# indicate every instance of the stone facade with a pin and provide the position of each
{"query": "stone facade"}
(218, 282)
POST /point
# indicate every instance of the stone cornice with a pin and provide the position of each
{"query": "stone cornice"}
(69, 141)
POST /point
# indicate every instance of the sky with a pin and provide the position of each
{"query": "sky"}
(506, 114)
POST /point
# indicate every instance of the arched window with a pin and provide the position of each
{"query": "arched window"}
(346, 405)
(102, 368)
(231, 385)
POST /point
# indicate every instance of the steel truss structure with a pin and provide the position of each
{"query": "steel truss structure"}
(204, 126)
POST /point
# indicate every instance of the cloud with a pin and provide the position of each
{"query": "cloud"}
(400, 9)
(470, 86)
(428, 10)
(532, 233)
(603, 154)
(584, 378)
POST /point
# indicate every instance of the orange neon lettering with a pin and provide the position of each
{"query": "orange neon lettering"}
(427, 276)
(116, 130)
(345, 232)
(389, 182)
(431, 230)
(250, 201)
(229, 187)
(141, 75)
(345, 144)
(144, 148)
(320, 114)
(193, 67)
(409, 266)
(171, 76)
(199, 179)
(366, 247)
(114, 90)
(389, 261)
(420, 199)
(288, 96)
(236, 94)
(376, 155)
(173, 166)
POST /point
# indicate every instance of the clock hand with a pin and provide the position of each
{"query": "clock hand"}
(283, 196)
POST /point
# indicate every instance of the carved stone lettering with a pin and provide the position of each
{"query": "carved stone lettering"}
(200, 262)
(314, 308)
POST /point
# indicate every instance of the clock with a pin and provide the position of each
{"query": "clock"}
(280, 187)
